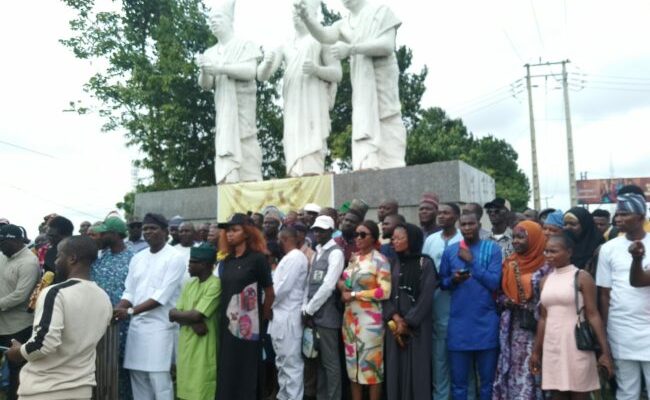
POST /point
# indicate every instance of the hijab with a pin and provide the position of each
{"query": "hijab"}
(588, 241)
(529, 261)
(410, 260)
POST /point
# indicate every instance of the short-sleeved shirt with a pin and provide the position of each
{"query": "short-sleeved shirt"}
(628, 324)
(110, 271)
(196, 362)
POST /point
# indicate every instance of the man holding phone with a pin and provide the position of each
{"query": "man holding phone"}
(471, 270)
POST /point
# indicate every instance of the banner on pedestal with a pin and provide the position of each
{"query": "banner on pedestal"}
(286, 194)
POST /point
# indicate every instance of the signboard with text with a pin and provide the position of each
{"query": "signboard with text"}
(603, 191)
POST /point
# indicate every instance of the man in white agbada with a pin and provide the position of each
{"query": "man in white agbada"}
(289, 280)
(229, 68)
(309, 90)
(151, 289)
(367, 36)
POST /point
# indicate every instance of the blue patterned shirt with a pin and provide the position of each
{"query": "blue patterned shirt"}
(109, 272)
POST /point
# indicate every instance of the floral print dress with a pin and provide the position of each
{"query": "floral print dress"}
(363, 330)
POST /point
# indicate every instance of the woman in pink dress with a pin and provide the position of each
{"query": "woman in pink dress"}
(566, 371)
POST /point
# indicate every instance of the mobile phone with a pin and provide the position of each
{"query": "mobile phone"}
(464, 271)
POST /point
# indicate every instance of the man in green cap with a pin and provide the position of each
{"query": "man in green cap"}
(196, 362)
(109, 271)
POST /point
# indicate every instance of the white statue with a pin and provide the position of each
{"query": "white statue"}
(309, 88)
(367, 36)
(229, 68)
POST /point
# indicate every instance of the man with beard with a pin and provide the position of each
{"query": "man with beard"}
(70, 319)
(387, 227)
(152, 287)
(352, 219)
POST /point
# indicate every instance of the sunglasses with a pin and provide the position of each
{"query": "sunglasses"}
(361, 235)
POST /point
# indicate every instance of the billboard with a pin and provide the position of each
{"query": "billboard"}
(603, 191)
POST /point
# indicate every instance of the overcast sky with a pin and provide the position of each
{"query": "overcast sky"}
(56, 161)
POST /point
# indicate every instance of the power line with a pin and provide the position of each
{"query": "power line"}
(513, 47)
(9, 185)
(539, 31)
(27, 149)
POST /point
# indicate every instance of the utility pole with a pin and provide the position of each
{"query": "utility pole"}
(569, 137)
(567, 115)
(533, 143)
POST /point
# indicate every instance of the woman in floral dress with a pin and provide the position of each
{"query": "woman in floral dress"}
(522, 273)
(364, 284)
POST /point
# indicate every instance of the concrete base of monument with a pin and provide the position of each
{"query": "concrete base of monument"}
(452, 180)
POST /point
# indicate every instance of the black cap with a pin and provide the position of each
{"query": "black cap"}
(15, 232)
(236, 219)
(498, 202)
(156, 219)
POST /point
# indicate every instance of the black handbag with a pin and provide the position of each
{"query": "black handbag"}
(526, 316)
(585, 337)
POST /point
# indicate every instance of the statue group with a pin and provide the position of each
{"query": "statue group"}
(312, 71)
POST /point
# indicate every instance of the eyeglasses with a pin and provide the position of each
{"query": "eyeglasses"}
(361, 235)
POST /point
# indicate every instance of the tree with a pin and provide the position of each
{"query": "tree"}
(149, 89)
(438, 138)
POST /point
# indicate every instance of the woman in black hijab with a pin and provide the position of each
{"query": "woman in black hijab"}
(408, 314)
(579, 225)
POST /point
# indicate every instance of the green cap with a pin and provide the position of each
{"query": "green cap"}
(345, 207)
(112, 224)
(203, 253)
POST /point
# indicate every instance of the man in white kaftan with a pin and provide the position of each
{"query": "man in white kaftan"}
(367, 36)
(289, 281)
(229, 68)
(151, 289)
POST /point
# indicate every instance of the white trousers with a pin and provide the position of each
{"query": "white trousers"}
(288, 360)
(628, 378)
(151, 385)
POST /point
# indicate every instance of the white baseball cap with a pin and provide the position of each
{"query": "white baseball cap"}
(311, 207)
(324, 222)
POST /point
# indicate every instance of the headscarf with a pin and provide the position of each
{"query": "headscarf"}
(631, 203)
(411, 267)
(555, 218)
(588, 241)
(529, 262)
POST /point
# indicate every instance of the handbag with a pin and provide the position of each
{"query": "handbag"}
(527, 320)
(310, 342)
(585, 337)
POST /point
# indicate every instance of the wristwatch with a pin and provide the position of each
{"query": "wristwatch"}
(354, 295)
(130, 311)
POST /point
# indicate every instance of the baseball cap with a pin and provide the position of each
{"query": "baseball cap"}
(323, 222)
(112, 224)
(4, 221)
(236, 219)
(311, 207)
(498, 202)
(9, 231)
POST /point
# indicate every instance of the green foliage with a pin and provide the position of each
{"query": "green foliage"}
(438, 138)
(149, 91)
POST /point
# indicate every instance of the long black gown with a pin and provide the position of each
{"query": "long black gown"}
(408, 370)
(243, 280)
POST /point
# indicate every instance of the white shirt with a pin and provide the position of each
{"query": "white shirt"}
(336, 261)
(186, 252)
(436, 244)
(155, 276)
(628, 325)
(289, 281)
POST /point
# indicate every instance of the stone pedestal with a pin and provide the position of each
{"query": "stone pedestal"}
(452, 180)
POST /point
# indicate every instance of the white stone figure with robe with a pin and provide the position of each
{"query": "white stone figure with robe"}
(367, 37)
(309, 90)
(229, 68)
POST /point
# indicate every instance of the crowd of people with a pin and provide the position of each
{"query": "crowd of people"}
(324, 303)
